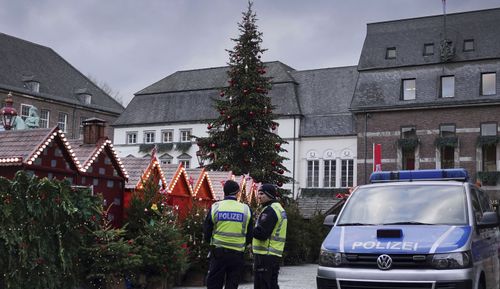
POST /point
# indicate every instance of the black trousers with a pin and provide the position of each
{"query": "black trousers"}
(225, 268)
(266, 271)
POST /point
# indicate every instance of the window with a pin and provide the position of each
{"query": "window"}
(489, 151)
(347, 170)
(488, 129)
(44, 118)
(330, 171)
(86, 98)
(469, 45)
(131, 137)
(25, 111)
(149, 137)
(185, 163)
(185, 135)
(447, 152)
(312, 174)
(408, 152)
(447, 130)
(390, 53)
(32, 85)
(409, 89)
(62, 121)
(167, 136)
(488, 83)
(429, 49)
(447, 86)
(408, 132)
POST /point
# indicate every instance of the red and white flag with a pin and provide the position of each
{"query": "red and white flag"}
(377, 157)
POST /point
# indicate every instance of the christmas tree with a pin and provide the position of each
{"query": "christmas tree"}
(241, 138)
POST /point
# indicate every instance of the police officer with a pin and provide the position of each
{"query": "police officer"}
(228, 228)
(269, 237)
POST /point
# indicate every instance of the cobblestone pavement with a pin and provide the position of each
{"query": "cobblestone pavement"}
(291, 277)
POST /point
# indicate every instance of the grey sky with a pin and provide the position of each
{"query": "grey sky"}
(130, 44)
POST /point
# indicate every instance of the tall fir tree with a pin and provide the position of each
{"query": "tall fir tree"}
(241, 138)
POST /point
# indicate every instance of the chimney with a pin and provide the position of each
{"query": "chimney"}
(93, 130)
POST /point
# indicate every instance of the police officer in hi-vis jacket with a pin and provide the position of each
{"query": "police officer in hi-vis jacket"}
(269, 237)
(228, 228)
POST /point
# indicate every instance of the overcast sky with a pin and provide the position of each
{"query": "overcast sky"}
(130, 44)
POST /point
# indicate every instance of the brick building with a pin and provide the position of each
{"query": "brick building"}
(37, 76)
(427, 92)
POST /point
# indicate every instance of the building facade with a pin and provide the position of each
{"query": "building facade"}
(37, 76)
(311, 110)
(427, 92)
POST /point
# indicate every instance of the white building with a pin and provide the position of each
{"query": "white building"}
(312, 109)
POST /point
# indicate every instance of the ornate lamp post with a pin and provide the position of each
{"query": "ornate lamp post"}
(199, 156)
(8, 113)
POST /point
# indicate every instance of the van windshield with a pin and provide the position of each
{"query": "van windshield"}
(406, 204)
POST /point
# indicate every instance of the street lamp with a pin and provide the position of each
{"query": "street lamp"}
(8, 113)
(199, 156)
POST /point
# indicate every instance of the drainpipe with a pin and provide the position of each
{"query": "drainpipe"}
(367, 116)
(294, 156)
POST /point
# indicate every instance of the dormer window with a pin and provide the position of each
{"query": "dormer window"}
(390, 53)
(86, 98)
(32, 85)
(84, 95)
(428, 49)
(469, 45)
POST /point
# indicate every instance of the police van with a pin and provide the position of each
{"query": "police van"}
(429, 229)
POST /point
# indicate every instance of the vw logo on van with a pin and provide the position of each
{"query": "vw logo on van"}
(384, 262)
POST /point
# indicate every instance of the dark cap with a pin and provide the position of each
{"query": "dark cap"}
(231, 188)
(269, 190)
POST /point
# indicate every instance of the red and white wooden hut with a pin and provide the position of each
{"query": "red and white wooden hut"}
(178, 190)
(41, 152)
(101, 168)
(139, 171)
(218, 179)
(203, 193)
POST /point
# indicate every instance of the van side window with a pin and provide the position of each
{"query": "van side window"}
(478, 214)
(484, 200)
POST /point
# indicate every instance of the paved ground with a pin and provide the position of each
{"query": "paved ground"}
(291, 277)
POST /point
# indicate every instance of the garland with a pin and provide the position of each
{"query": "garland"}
(183, 146)
(408, 143)
(489, 178)
(487, 140)
(441, 142)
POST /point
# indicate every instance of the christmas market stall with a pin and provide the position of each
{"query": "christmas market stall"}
(41, 152)
(141, 170)
(178, 189)
(101, 168)
(203, 193)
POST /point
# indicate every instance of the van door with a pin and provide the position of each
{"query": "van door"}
(488, 237)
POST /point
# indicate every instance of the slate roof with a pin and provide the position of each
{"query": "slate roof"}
(31, 139)
(311, 205)
(86, 153)
(379, 88)
(183, 96)
(59, 81)
(23, 144)
(324, 98)
(408, 36)
(135, 168)
(218, 178)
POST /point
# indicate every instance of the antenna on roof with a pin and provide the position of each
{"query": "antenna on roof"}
(447, 49)
(444, 18)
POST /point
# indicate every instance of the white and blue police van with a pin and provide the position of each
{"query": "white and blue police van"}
(429, 229)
